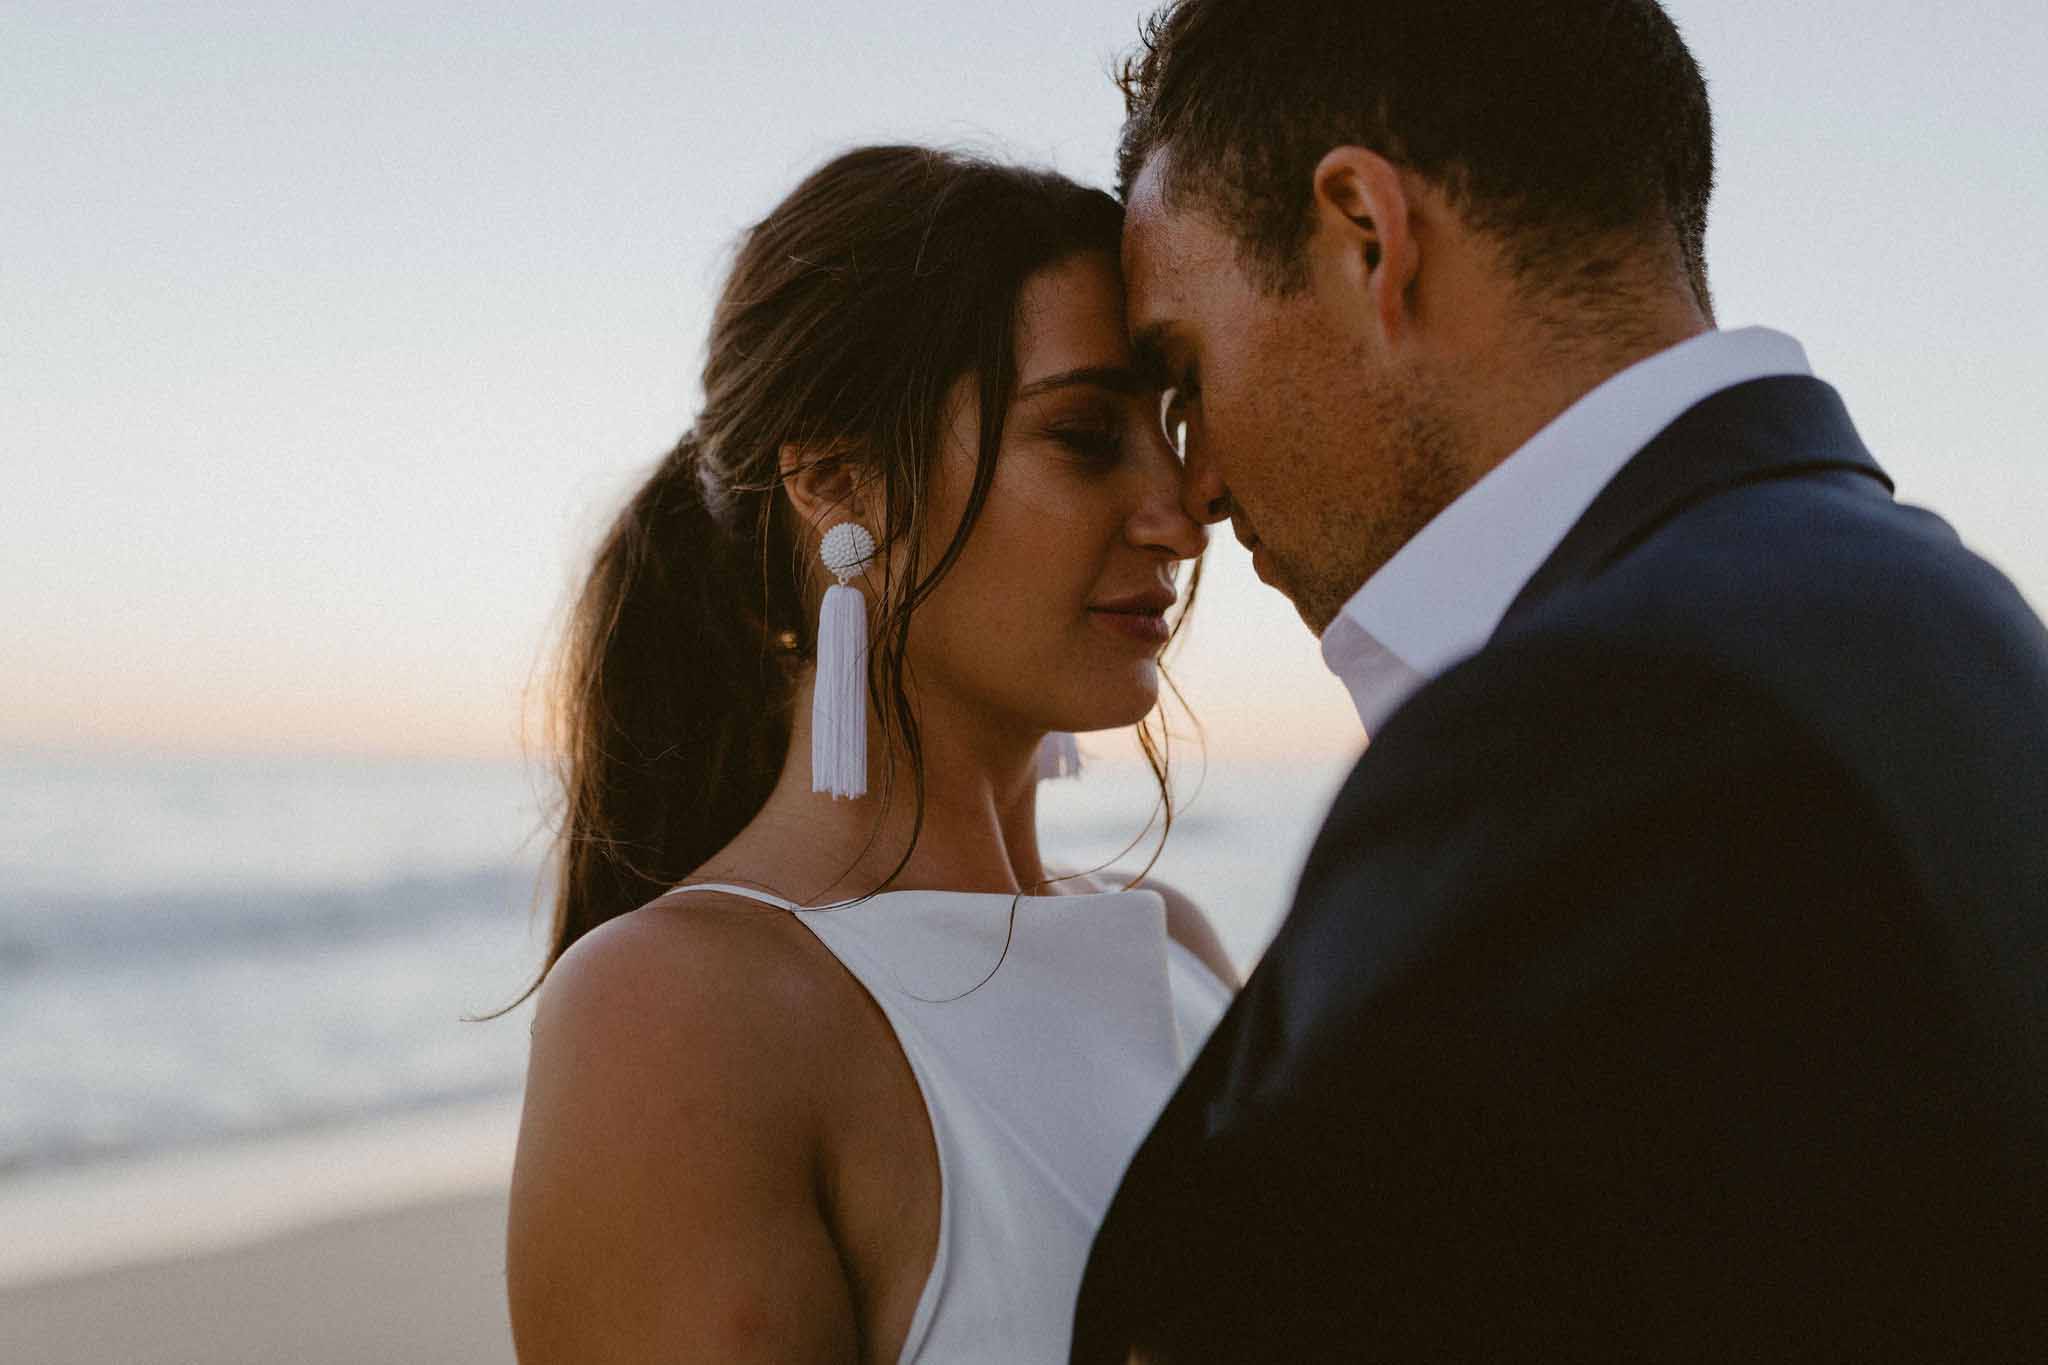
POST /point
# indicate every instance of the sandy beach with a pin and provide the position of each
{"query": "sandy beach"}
(419, 1284)
(376, 1243)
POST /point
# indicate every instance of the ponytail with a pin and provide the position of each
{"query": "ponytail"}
(672, 715)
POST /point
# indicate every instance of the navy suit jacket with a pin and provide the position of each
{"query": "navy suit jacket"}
(1669, 980)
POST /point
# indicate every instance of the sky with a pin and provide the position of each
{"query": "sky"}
(331, 334)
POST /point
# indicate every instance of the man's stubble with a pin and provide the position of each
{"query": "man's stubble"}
(1414, 467)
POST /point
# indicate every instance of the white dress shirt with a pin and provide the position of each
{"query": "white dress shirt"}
(1439, 598)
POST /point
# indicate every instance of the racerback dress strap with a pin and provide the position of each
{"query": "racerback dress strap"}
(728, 888)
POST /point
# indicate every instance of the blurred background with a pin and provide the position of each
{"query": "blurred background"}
(330, 337)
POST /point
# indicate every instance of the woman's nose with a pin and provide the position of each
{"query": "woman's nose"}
(1161, 521)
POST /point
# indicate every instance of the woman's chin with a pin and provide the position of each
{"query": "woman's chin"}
(1118, 705)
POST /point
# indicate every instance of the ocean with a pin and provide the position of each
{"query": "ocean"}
(201, 949)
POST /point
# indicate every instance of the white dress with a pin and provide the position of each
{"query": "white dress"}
(1040, 1081)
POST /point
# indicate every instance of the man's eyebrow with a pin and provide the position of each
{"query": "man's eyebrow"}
(1115, 378)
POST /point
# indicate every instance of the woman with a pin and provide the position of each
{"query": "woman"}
(828, 1079)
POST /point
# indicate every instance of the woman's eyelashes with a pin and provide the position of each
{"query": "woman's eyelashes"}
(1097, 443)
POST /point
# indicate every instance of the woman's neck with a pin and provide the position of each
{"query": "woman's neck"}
(980, 829)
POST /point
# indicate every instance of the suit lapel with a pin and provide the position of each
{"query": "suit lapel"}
(1764, 429)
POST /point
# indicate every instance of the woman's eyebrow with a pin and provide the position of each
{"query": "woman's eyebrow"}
(1115, 378)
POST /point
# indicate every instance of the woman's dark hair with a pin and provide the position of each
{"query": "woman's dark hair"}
(849, 314)
(1553, 124)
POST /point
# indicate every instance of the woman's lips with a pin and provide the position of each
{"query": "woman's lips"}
(1147, 627)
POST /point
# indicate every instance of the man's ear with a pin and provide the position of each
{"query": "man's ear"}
(825, 486)
(1365, 232)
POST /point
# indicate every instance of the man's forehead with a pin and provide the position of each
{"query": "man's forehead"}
(1148, 218)
(1148, 187)
(1164, 238)
(1171, 246)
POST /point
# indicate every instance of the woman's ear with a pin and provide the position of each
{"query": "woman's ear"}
(825, 486)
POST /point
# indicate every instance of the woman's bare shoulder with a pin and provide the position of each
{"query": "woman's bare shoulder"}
(673, 1123)
(692, 972)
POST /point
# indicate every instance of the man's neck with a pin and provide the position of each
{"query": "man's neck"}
(1447, 589)
(1546, 363)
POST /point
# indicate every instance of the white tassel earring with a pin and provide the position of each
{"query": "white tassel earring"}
(1059, 755)
(839, 702)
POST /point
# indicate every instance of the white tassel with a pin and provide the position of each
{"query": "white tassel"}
(839, 700)
(1059, 755)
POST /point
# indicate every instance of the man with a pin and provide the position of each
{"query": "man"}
(1670, 978)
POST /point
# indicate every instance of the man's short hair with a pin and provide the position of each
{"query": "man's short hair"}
(1553, 125)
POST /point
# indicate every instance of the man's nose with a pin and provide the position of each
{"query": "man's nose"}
(1203, 495)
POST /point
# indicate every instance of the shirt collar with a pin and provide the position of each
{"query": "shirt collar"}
(1439, 598)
